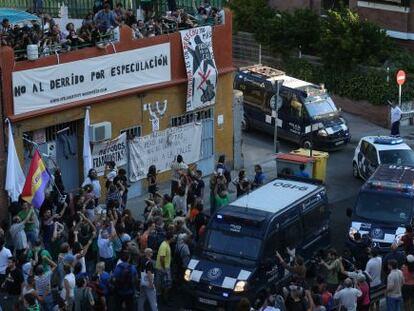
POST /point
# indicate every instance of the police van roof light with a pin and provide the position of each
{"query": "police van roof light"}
(391, 186)
(386, 140)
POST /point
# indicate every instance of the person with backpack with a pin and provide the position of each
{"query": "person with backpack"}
(83, 299)
(147, 292)
(124, 280)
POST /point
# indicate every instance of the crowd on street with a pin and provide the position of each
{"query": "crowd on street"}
(99, 26)
(86, 251)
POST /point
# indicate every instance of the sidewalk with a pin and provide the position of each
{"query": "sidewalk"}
(257, 150)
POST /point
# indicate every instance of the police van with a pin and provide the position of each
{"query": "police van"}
(306, 114)
(384, 206)
(238, 255)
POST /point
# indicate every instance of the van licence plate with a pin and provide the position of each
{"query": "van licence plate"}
(339, 142)
(207, 301)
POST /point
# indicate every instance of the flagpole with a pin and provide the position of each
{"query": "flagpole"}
(52, 180)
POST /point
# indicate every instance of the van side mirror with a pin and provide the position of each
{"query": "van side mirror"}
(349, 212)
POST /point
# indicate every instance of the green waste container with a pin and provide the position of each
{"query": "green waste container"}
(320, 161)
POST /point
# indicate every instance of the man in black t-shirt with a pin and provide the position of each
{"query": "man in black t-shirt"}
(12, 285)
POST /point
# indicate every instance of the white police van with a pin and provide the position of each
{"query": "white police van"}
(384, 206)
(306, 115)
(373, 151)
(238, 256)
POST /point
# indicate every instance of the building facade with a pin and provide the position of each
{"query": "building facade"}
(143, 107)
(395, 16)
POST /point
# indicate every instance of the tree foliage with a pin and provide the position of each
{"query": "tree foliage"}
(346, 41)
(250, 15)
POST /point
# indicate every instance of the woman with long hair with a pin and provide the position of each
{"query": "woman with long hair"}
(152, 179)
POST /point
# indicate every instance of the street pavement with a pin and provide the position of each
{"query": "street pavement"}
(342, 187)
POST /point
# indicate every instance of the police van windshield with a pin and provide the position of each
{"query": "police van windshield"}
(384, 207)
(231, 244)
(319, 107)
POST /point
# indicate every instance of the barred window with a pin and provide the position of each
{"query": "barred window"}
(132, 132)
(192, 117)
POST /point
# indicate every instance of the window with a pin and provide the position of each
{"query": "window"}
(364, 147)
(254, 94)
(132, 132)
(192, 117)
(371, 154)
(296, 107)
(232, 244)
(314, 218)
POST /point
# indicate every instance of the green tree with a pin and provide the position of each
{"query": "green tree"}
(347, 41)
(250, 15)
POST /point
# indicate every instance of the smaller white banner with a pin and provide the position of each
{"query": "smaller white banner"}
(114, 150)
(160, 148)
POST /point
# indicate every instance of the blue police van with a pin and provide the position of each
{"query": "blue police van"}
(384, 206)
(238, 255)
(306, 114)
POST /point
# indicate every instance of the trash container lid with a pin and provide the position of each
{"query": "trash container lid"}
(306, 152)
(298, 158)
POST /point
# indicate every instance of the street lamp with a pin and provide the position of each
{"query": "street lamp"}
(275, 104)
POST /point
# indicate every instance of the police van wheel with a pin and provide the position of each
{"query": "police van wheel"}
(245, 125)
(307, 144)
(355, 170)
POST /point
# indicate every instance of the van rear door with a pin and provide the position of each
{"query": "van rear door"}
(315, 224)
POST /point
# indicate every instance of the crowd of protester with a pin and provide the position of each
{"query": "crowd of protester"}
(87, 251)
(100, 26)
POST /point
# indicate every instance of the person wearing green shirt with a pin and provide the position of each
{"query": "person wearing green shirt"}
(43, 256)
(221, 197)
(29, 227)
(168, 211)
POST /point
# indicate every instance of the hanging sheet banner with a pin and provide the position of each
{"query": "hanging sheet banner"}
(160, 148)
(50, 86)
(114, 150)
(200, 66)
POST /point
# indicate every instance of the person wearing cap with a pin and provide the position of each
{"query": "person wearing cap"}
(408, 285)
(347, 295)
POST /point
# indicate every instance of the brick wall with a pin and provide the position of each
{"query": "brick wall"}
(375, 114)
(291, 5)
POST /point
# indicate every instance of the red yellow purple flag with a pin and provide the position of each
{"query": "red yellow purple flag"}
(37, 180)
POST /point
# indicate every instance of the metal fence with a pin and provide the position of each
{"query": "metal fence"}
(79, 8)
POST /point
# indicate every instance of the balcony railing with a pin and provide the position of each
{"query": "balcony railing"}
(79, 8)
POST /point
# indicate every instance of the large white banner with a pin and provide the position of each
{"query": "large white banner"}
(200, 66)
(55, 85)
(113, 150)
(160, 148)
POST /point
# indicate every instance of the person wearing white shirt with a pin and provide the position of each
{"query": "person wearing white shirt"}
(5, 253)
(374, 269)
(93, 180)
(348, 295)
(395, 119)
